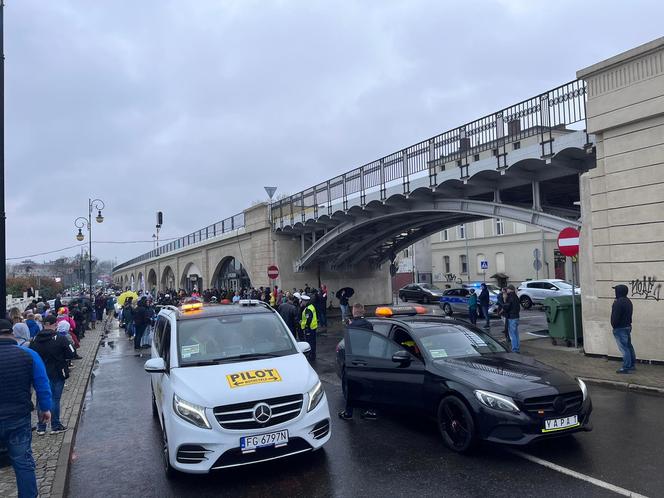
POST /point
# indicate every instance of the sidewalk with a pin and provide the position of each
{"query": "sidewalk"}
(51, 452)
(596, 370)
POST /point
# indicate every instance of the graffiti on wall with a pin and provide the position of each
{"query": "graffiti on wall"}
(646, 288)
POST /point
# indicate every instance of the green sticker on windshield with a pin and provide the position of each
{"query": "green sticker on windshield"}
(438, 353)
(187, 351)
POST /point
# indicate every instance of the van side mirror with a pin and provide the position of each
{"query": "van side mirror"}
(155, 365)
(402, 357)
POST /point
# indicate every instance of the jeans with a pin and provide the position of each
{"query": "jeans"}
(485, 311)
(322, 316)
(16, 434)
(57, 386)
(310, 337)
(138, 334)
(344, 311)
(472, 314)
(623, 337)
(513, 328)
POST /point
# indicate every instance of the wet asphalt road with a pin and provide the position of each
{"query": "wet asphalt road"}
(117, 450)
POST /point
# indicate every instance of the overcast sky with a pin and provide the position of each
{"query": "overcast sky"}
(191, 107)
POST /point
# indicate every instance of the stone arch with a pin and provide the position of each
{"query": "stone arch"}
(191, 278)
(140, 281)
(152, 279)
(168, 279)
(230, 274)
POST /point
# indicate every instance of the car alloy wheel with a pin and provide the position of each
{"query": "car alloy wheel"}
(456, 425)
(168, 468)
(526, 302)
(447, 309)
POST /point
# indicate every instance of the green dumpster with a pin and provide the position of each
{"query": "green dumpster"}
(560, 318)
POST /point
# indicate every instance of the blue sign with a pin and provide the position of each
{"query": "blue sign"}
(484, 265)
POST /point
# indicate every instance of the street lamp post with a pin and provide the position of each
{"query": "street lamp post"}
(82, 222)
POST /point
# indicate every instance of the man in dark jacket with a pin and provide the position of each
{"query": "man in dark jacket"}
(20, 370)
(484, 301)
(288, 312)
(54, 350)
(511, 309)
(141, 321)
(621, 322)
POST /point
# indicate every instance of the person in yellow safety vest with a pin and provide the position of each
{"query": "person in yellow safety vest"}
(309, 324)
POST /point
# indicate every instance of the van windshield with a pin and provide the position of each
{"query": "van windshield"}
(229, 338)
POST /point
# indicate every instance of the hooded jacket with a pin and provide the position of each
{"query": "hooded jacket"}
(621, 311)
(55, 350)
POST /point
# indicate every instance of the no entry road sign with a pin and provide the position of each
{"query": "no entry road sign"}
(568, 241)
(272, 272)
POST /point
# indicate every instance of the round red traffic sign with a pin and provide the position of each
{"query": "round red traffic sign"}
(568, 241)
(272, 272)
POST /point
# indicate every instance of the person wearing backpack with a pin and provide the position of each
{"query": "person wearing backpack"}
(54, 350)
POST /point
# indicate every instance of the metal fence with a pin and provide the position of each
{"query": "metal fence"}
(539, 115)
(210, 231)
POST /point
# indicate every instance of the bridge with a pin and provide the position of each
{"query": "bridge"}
(561, 158)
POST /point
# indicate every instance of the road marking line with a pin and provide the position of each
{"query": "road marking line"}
(577, 475)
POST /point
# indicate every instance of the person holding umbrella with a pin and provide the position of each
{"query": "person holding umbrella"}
(343, 295)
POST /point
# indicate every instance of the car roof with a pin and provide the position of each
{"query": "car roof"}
(420, 321)
(213, 310)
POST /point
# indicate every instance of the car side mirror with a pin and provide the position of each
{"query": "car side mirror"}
(304, 347)
(402, 357)
(155, 365)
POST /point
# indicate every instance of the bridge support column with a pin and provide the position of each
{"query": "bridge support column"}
(622, 241)
(537, 198)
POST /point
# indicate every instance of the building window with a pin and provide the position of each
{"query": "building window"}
(500, 262)
(480, 258)
(461, 231)
(500, 226)
(476, 157)
(446, 235)
(516, 145)
(405, 253)
(446, 264)
(463, 263)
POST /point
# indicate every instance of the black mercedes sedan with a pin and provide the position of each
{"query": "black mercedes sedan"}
(461, 376)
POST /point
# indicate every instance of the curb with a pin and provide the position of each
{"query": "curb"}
(62, 468)
(625, 385)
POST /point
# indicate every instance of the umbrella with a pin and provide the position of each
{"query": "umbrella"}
(123, 297)
(349, 291)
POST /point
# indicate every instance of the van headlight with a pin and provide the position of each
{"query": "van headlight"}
(315, 395)
(584, 389)
(497, 401)
(192, 413)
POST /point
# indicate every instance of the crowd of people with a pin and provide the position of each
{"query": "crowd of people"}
(38, 348)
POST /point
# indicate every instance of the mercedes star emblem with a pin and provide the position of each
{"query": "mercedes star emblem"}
(262, 413)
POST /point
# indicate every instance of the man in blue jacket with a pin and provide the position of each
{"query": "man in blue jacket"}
(20, 370)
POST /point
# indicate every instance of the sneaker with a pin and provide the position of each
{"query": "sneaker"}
(58, 429)
(623, 371)
(77, 357)
(369, 415)
(40, 431)
(343, 415)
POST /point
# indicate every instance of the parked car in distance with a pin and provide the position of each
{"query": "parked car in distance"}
(423, 293)
(536, 291)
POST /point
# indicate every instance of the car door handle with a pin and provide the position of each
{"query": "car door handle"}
(359, 363)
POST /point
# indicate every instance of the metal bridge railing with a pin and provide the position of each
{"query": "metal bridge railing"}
(210, 231)
(540, 115)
